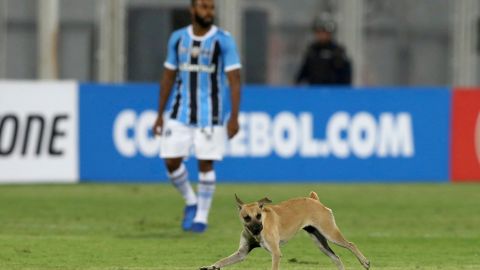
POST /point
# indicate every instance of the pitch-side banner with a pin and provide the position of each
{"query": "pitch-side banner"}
(115, 133)
(38, 132)
(287, 135)
(466, 135)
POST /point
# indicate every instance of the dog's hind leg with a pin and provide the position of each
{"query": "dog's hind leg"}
(322, 244)
(328, 228)
(351, 246)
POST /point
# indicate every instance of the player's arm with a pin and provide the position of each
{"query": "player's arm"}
(167, 81)
(166, 84)
(232, 69)
(235, 93)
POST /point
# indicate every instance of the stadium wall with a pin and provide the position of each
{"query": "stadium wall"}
(287, 135)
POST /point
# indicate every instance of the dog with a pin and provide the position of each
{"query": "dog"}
(270, 226)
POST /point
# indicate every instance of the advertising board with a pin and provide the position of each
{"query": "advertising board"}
(38, 132)
(466, 135)
(287, 135)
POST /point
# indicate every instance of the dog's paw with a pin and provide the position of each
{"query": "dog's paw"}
(366, 264)
(212, 267)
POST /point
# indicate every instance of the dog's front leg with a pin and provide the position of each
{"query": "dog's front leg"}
(276, 255)
(272, 244)
(246, 245)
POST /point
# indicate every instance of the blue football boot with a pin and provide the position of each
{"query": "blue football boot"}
(198, 227)
(188, 216)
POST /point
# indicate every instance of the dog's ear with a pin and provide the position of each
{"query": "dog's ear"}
(239, 202)
(263, 201)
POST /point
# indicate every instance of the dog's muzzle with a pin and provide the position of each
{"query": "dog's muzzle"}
(256, 228)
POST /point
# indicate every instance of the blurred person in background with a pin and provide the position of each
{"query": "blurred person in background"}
(200, 59)
(325, 61)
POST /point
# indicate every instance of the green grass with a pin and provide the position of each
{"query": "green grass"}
(114, 227)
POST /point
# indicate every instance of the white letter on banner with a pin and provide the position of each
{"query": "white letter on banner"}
(148, 145)
(285, 134)
(362, 135)
(124, 121)
(237, 145)
(338, 122)
(395, 137)
(323, 149)
(308, 147)
(259, 133)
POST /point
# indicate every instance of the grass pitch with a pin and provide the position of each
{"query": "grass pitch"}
(126, 227)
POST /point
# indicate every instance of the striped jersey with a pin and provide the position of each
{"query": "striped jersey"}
(201, 82)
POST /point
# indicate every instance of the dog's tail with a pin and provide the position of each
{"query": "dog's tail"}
(313, 195)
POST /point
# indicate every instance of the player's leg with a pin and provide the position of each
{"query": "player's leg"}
(176, 144)
(178, 175)
(205, 191)
(209, 146)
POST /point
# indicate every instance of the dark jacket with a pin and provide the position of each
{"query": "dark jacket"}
(325, 63)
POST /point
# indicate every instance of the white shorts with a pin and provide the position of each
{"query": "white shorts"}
(179, 140)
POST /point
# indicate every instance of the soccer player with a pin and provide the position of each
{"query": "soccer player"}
(200, 59)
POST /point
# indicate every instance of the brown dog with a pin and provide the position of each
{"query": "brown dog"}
(270, 226)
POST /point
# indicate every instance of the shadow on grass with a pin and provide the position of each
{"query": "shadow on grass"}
(295, 261)
(171, 234)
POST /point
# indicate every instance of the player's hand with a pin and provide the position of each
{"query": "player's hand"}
(157, 127)
(232, 127)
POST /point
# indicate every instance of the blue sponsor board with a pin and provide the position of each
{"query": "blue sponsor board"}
(376, 134)
(101, 159)
(287, 135)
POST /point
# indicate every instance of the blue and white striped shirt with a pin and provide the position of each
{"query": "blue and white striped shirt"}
(201, 82)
